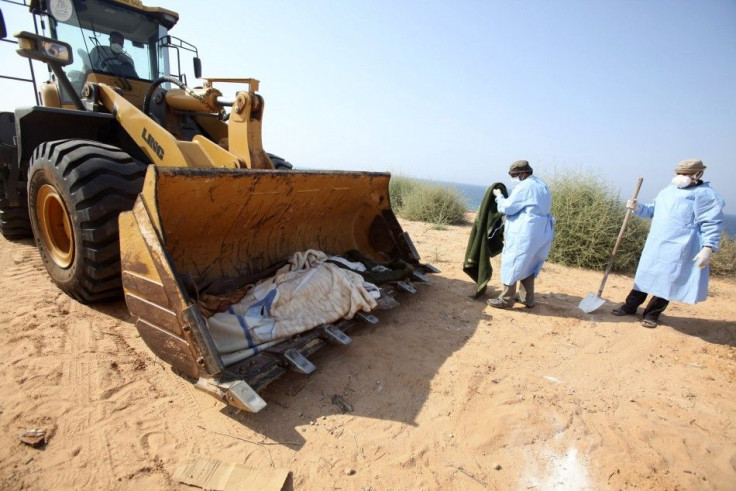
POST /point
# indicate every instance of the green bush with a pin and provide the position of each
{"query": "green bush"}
(432, 203)
(723, 262)
(589, 217)
(398, 188)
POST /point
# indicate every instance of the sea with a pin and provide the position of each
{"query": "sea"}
(474, 193)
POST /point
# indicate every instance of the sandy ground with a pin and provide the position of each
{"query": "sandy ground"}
(446, 392)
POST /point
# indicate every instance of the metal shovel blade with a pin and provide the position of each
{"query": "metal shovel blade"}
(590, 303)
(593, 301)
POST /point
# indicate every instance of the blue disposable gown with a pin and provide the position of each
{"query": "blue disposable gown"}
(528, 231)
(683, 221)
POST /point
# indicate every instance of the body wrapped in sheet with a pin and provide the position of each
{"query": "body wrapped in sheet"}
(304, 294)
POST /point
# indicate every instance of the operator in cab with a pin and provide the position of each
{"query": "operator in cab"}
(112, 59)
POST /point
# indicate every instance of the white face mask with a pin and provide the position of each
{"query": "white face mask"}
(515, 180)
(116, 48)
(682, 181)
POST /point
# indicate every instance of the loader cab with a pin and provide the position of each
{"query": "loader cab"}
(92, 27)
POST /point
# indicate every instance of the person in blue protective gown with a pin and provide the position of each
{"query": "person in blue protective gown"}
(528, 232)
(687, 220)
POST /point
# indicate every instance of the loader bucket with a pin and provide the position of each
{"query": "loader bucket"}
(194, 228)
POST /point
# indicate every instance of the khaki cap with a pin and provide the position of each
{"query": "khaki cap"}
(690, 166)
(520, 166)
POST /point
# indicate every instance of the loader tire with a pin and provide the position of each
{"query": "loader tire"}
(279, 163)
(76, 190)
(14, 220)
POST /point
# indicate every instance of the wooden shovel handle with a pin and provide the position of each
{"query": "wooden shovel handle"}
(620, 237)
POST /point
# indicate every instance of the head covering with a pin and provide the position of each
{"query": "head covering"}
(690, 166)
(116, 37)
(520, 166)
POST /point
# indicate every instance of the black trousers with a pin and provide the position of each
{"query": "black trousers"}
(653, 309)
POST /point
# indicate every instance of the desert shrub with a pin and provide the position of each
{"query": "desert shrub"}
(723, 262)
(425, 202)
(398, 188)
(589, 216)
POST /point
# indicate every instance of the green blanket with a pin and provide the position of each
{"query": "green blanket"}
(481, 247)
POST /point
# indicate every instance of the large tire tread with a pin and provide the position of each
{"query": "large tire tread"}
(15, 223)
(97, 182)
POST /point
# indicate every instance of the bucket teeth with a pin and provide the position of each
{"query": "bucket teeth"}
(242, 395)
(371, 319)
(334, 335)
(406, 286)
(234, 392)
(420, 277)
(299, 362)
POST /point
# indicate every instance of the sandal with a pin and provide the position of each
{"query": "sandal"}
(648, 323)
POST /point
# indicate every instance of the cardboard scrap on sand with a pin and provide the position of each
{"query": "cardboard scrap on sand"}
(214, 475)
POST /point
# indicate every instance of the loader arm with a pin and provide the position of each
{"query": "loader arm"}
(245, 148)
(244, 127)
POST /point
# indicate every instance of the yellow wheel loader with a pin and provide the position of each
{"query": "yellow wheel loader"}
(134, 183)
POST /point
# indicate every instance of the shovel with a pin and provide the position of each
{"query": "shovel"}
(592, 301)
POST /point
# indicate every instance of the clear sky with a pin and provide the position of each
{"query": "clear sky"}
(456, 91)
